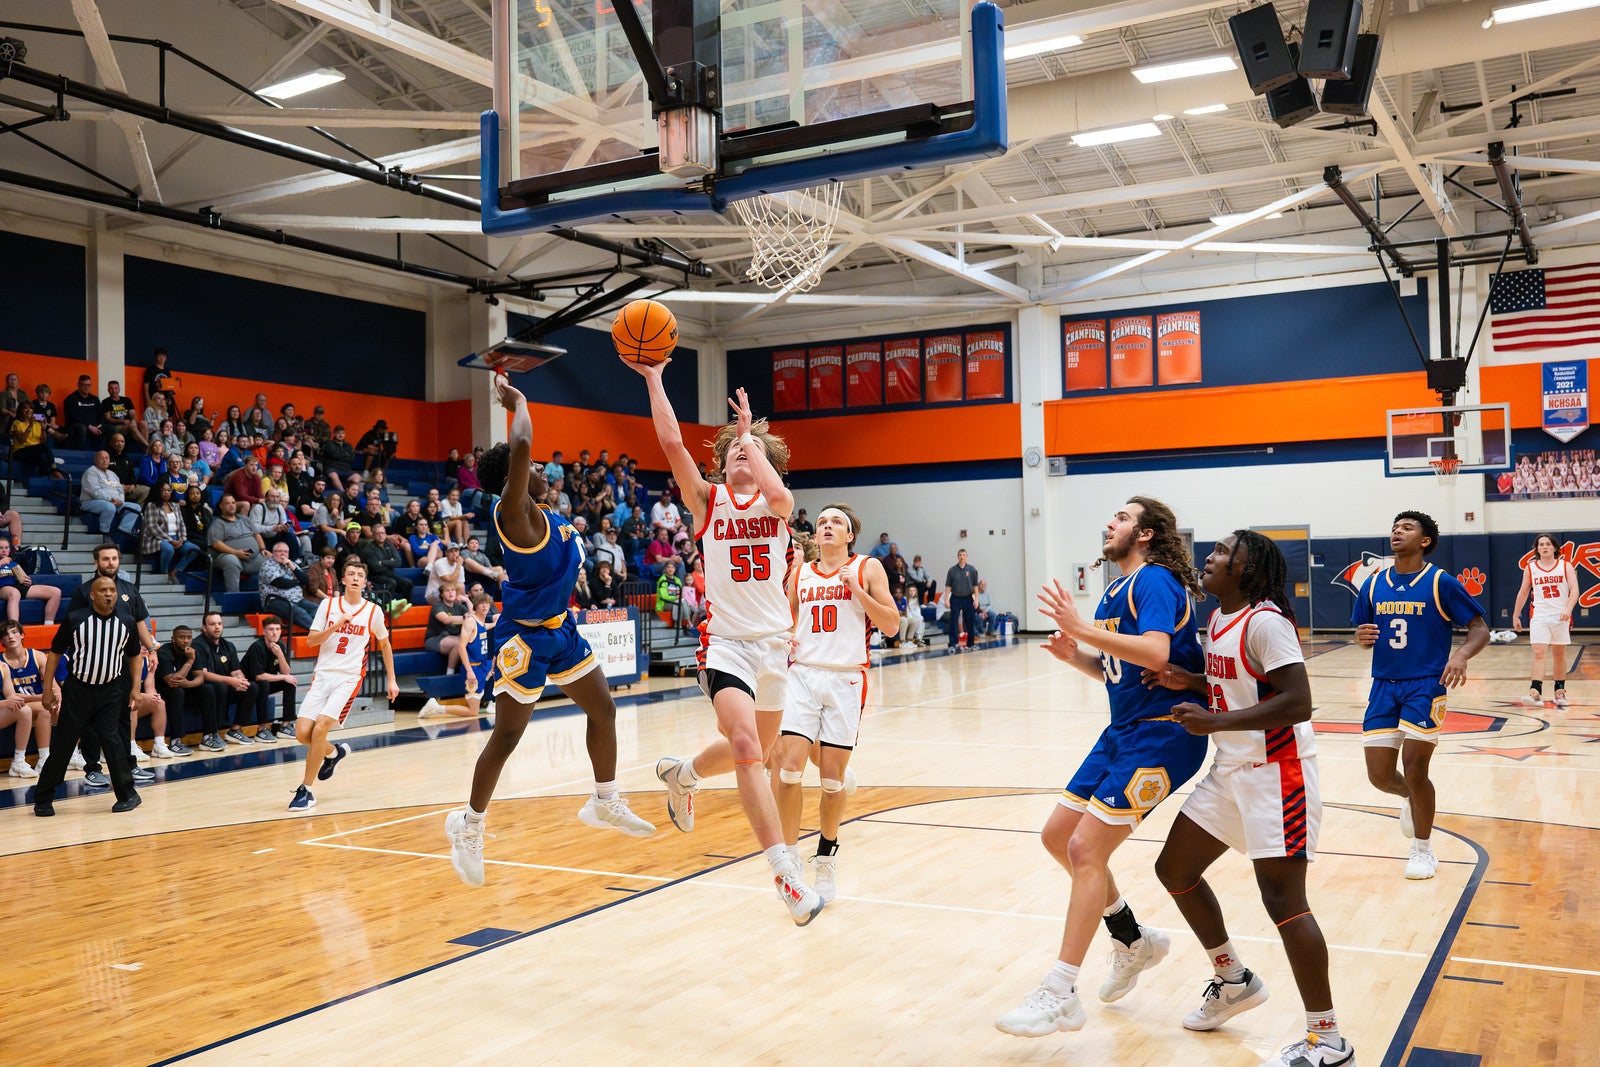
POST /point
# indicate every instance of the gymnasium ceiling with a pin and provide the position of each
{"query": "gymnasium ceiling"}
(1047, 222)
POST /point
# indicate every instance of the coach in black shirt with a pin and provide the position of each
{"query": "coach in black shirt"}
(96, 696)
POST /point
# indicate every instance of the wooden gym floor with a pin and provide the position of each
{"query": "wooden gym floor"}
(213, 927)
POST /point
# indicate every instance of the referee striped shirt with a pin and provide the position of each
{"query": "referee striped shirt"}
(99, 646)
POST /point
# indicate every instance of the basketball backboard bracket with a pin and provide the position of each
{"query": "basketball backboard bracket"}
(769, 157)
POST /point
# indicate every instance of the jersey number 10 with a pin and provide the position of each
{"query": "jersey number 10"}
(824, 618)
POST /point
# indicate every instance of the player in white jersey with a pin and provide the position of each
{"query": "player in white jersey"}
(833, 598)
(1261, 796)
(744, 539)
(1548, 579)
(342, 633)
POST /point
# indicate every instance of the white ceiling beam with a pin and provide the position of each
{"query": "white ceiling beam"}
(1551, 228)
(951, 265)
(87, 14)
(346, 223)
(1561, 166)
(1485, 110)
(342, 118)
(1428, 185)
(412, 160)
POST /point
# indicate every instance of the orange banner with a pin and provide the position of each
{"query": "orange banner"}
(1083, 348)
(902, 371)
(827, 378)
(986, 365)
(1178, 348)
(863, 375)
(941, 368)
(789, 380)
(1132, 353)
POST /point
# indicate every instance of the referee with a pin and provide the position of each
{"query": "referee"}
(97, 694)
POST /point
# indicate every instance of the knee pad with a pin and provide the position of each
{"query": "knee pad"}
(788, 777)
(832, 785)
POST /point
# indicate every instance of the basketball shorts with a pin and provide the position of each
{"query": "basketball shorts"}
(824, 705)
(526, 658)
(1265, 810)
(1549, 631)
(331, 696)
(480, 674)
(761, 663)
(1398, 708)
(1133, 768)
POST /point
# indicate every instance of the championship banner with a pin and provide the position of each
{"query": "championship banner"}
(1565, 389)
(986, 365)
(863, 375)
(789, 380)
(902, 371)
(1132, 353)
(827, 378)
(942, 368)
(1083, 348)
(613, 635)
(1178, 348)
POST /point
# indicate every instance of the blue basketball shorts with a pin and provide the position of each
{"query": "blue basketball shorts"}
(527, 657)
(1133, 768)
(1403, 708)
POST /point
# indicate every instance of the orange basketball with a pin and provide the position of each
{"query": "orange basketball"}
(645, 332)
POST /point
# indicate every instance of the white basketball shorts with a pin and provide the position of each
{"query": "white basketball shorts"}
(761, 663)
(1549, 631)
(825, 705)
(1265, 810)
(331, 696)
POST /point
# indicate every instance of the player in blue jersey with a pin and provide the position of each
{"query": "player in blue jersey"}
(1407, 615)
(476, 662)
(1145, 619)
(536, 641)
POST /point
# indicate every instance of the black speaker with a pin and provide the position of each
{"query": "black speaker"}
(1292, 103)
(1259, 39)
(1328, 45)
(1350, 97)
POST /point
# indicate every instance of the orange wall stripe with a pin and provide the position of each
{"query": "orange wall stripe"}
(934, 435)
(1521, 385)
(571, 430)
(1327, 409)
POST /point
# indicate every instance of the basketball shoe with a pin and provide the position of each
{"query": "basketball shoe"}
(1312, 1051)
(827, 881)
(1561, 699)
(466, 846)
(680, 798)
(1408, 825)
(1423, 863)
(1042, 1014)
(331, 763)
(801, 900)
(614, 814)
(1223, 1000)
(302, 800)
(1533, 699)
(1128, 961)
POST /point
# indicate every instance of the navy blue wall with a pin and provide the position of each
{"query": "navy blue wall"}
(237, 327)
(591, 377)
(1340, 332)
(44, 292)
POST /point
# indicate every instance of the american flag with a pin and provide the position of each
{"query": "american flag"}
(1554, 308)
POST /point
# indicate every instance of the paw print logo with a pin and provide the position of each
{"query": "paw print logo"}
(1474, 580)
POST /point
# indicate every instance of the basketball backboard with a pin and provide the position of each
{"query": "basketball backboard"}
(512, 357)
(802, 92)
(1479, 435)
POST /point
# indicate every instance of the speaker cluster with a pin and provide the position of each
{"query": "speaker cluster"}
(1332, 49)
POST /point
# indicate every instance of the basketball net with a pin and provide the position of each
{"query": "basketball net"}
(1445, 469)
(790, 233)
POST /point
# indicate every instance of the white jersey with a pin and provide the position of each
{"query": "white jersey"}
(1241, 650)
(831, 629)
(346, 651)
(1550, 589)
(746, 549)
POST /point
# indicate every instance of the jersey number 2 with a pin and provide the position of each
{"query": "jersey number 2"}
(344, 643)
(750, 563)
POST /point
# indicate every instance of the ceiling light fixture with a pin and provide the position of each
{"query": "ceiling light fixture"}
(1160, 118)
(1538, 9)
(1213, 64)
(1116, 134)
(1023, 49)
(1230, 220)
(1209, 109)
(302, 84)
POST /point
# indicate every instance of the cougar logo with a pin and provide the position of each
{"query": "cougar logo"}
(1354, 576)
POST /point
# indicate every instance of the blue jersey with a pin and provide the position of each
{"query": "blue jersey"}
(539, 580)
(6, 577)
(1416, 616)
(25, 679)
(1150, 600)
(477, 650)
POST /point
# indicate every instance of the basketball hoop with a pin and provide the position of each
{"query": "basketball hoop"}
(790, 233)
(1445, 468)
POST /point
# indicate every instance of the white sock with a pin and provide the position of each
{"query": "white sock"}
(605, 790)
(1325, 1026)
(20, 757)
(1423, 844)
(686, 776)
(1226, 962)
(778, 857)
(1062, 979)
(475, 817)
(44, 754)
(1115, 906)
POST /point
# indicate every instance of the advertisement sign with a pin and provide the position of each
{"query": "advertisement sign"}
(613, 635)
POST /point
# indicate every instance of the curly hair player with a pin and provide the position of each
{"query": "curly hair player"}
(536, 641)
(1406, 614)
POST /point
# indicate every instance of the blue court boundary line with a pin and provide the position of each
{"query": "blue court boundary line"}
(521, 937)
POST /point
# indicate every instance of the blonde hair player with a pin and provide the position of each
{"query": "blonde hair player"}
(833, 599)
(1548, 578)
(342, 632)
(744, 644)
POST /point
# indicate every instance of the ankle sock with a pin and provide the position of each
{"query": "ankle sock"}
(475, 817)
(1226, 962)
(605, 790)
(1324, 1026)
(1062, 979)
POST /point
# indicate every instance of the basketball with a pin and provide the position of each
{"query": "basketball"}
(645, 332)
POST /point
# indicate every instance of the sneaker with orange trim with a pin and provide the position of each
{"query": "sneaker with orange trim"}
(1314, 1051)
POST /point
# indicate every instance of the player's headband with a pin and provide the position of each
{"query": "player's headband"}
(848, 525)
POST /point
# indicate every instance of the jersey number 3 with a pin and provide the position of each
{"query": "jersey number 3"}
(1399, 638)
(750, 563)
